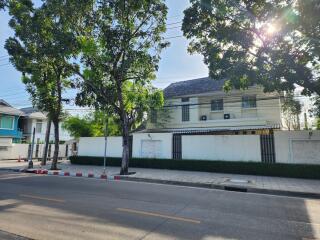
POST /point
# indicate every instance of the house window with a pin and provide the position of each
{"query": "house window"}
(217, 105)
(153, 116)
(185, 99)
(38, 126)
(185, 113)
(6, 122)
(249, 102)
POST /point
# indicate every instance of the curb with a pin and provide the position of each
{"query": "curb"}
(234, 188)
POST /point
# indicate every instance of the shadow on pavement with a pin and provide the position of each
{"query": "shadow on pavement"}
(70, 208)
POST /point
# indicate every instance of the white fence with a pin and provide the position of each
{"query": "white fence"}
(290, 147)
(15, 151)
(221, 147)
(297, 147)
(94, 146)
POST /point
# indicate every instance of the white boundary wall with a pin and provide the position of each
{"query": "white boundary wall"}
(221, 147)
(152, 145)
(297, 147)
(290, 147)
(17, 150)
(94, 146)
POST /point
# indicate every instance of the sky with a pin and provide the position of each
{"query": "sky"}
(176, 63)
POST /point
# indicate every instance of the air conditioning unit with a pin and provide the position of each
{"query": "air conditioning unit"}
(226, 116)
(203, 118)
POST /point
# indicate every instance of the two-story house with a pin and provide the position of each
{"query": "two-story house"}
(33, 118)
(9, 125)
(202, 106)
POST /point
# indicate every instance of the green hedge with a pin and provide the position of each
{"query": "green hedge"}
(250, 168)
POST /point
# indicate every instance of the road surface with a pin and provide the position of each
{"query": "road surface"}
(52, 207)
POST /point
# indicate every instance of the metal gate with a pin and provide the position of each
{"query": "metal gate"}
(176, 146)
(267, 148)
(37, 150)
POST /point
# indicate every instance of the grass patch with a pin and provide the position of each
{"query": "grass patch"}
(250, 168)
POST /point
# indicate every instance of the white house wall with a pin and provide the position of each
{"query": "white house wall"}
(94, 146)
(221, 147)
(297, 146)
(267, 112)
(31, 123)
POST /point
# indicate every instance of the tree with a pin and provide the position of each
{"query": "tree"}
(78, 127)
(291, 110)
(42, 49)
(273, 43)
(91, 125)
(121, 55)
(3, 4)
(318, 124)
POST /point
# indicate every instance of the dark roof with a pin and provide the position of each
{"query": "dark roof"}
(194, 86)
(29, 110)
(4, 103)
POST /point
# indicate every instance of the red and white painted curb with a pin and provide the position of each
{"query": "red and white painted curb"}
(66, 173)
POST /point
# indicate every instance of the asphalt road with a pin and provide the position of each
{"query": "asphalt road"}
(51, 207)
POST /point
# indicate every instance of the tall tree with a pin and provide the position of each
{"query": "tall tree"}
(42, 49)
(269, 42)
(291, 109)
(121, 56)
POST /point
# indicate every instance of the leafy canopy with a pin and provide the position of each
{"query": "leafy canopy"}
(275, 43)
(121, 55)
(91, 125)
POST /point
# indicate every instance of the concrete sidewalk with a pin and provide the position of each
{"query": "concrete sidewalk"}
(250, 183)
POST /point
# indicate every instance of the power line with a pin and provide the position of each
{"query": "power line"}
(5, 64)
(178, 36)
(174, 23)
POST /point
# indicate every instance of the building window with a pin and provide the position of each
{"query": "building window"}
(185, 99)
(6, 122)
(185, 113)
(217, 105)
(38, 126)
(249, 102)
(153, 116)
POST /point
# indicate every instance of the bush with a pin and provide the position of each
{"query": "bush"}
(249, 168)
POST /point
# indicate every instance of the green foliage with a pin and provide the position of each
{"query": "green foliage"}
(272, 43)
(318, 124)
(42, 48)
(3, 3)
(248, 168)
(78, 127)
(291, 109)
(91, 125)
(121, 56)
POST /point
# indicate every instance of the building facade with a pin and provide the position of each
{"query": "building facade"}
(10, 131)
(35, 119)
(202, 105)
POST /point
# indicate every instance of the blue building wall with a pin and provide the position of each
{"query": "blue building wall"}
(15, 133)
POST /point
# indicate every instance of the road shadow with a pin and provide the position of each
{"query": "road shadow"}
(91, 208)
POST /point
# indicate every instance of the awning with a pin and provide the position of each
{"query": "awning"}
(208, 130)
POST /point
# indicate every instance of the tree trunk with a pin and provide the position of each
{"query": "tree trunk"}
(56, 144)
(125, 147)
(46, 145)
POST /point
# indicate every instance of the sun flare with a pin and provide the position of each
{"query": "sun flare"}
(271, 29)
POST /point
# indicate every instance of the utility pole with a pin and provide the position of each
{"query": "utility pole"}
(105, 145)
(305, 121)
(46, 145)
(30, 162)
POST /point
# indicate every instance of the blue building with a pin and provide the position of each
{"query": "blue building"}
(9, 124)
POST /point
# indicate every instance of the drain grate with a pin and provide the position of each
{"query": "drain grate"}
(235, 189)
